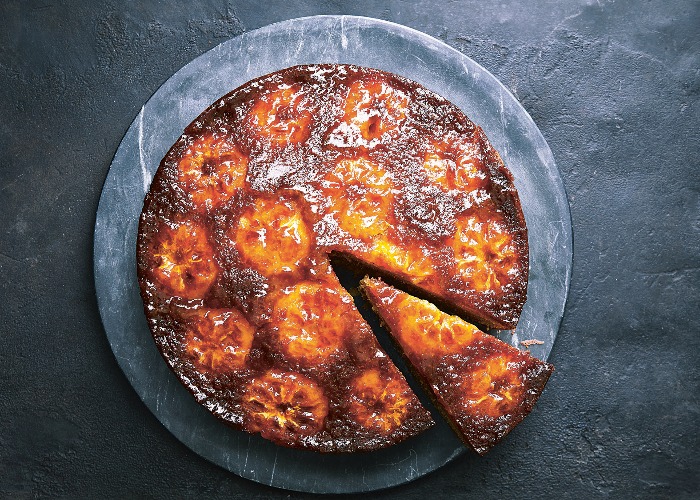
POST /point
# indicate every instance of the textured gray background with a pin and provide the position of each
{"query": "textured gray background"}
(614, 89)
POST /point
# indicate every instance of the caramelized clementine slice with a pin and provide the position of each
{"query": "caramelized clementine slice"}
(272, 236)
(218, 339)
(455, 164)
(184, 260)
(310, 321)
(410, 262)
(484, 252)
(360, 195)
(492, 389)
(379, 403)
(211, 171)
(423, 330)
(375, 108)
(281, 116)
(284, 405)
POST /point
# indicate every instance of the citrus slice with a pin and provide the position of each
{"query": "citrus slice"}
(281, 116)
(493, 388)
(360, 196)
(282, 406)
(484, 252)
(409, 262)
(378, 401)
(184, 259)
(272, 236)
(423, 330)
(455, 164)
(211, 171)
(375, 107)
(218, 340)
(310, 320)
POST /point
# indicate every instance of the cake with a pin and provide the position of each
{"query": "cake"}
(248, 206)
(482, 385)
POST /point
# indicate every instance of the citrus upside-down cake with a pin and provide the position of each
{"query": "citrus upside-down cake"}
(249, 203)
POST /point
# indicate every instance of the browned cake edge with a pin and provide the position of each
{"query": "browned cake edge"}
(510, 203)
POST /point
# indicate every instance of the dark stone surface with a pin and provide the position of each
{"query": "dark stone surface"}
(613, 87)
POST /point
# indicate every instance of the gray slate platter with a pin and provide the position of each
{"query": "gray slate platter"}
(321, 39)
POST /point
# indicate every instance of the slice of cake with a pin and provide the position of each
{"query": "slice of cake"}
(483, 386)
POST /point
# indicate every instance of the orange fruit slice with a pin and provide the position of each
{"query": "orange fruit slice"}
(484, 252)
(218, 340)
(378, 401)
(284, 405)
(272, 236)
(310, 320)
(375, 108)
(184, 258)
(281, 116)
(211, 171)
(492, 389)
(360, 196)
(410, 262)
(423, 330)
(455, 164)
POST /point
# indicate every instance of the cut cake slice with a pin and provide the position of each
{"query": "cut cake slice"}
(482, 385)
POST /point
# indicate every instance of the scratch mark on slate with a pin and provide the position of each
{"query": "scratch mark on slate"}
(274, 465)
(144, 170)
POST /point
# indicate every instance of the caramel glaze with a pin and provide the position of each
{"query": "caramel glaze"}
(249, 202)
(482, 385)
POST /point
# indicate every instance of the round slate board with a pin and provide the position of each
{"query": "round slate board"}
(321, 39)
